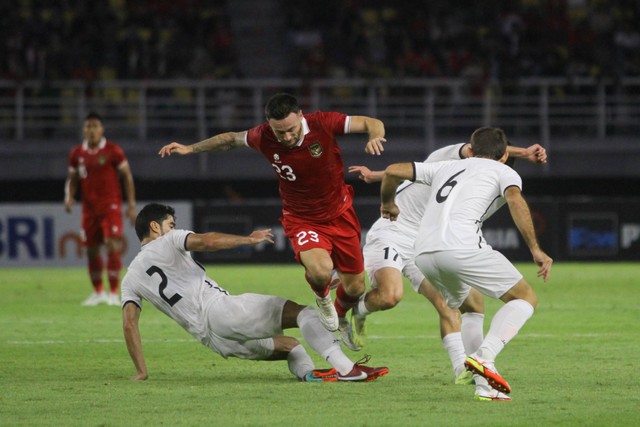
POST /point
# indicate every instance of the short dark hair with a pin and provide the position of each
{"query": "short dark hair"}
(93, 115)
(489, 142)
(280, 106)
(151, 212)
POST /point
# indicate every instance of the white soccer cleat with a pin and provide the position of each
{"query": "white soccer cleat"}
(346, 333)
(486, 393)
(95, 299)
(492, 396)
(327, 313)
(113, 299)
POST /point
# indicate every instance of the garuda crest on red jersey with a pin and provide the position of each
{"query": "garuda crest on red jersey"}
(315, 149)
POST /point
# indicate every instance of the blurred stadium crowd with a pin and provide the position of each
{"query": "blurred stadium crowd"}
(167, 39)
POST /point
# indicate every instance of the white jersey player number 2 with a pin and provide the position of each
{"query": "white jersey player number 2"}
(163, 285)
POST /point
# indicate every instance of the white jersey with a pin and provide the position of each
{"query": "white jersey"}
(411, 199)
(464, 194)
(180, 288)
(390, 243)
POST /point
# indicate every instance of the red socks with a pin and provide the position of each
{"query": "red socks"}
(322, 291)
(95, 272)
(344, 301)
(114, 265)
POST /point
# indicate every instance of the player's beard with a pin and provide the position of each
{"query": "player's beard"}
(290, 144)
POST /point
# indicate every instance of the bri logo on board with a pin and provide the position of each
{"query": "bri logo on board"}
(25, 237)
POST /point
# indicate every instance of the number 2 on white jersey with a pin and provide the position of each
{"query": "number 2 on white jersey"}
(305, 237)
(164, 281)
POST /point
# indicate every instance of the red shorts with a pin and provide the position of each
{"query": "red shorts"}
(341, 237)
(96, 228)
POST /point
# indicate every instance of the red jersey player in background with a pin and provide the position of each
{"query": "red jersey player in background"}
(97, 165)
(317, 212)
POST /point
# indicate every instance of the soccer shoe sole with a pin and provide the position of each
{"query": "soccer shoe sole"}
(376, 373)
(346, 334)
(493, 378)
(503, 398)
(321, 375)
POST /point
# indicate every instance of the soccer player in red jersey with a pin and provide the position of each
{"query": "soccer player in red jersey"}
(317, 212)
(96, 166)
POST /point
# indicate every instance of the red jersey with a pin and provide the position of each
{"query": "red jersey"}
(97, 170)
(311, 174)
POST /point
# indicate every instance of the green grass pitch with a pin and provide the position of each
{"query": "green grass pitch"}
(575, 363)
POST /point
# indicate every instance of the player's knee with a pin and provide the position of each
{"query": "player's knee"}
(522, 290)
(532, 299)
(93, 251)
(290, 313)
(390, 299)
(112, 245)
(353, 284)
(318, 275)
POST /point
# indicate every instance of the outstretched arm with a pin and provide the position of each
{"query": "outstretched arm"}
(393, 175)
(374, 128)
(535, 153)
(130, 319)
(219, 241)
(367, 175)
(522, 218)
(221, 142)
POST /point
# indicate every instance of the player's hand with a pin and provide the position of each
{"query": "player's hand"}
(544, 263)
(390, 211)
(374, 146)
(68, 203)
(132, 214)
(364, 173)
(259, 236)
(536, 154)
(175, 148)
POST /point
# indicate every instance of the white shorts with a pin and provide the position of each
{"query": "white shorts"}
(455, 272)
(386, 248)
(244, 325)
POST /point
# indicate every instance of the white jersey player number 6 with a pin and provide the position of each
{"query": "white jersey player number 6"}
(440, 198)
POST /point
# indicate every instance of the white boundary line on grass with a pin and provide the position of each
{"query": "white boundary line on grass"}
(374, 337)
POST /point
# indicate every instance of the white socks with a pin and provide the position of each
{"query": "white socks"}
(299, 361)
(472, 331)
(323, 341)
(504, 326)
(361, 307)
(453, 344)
